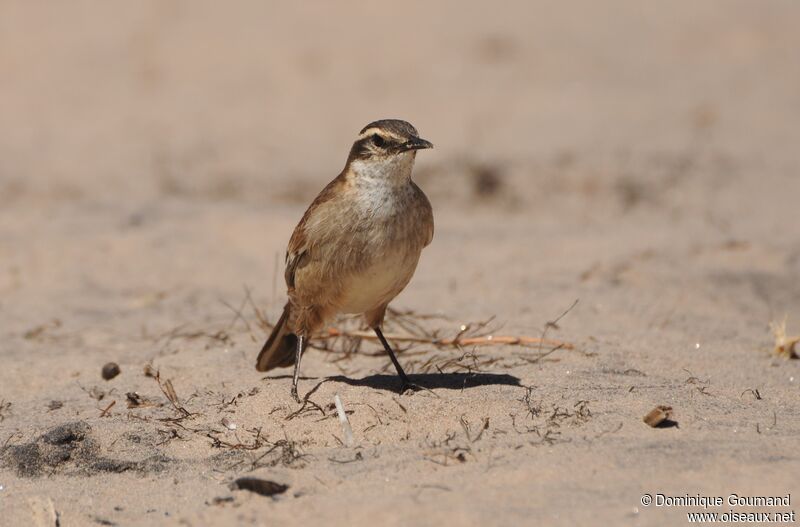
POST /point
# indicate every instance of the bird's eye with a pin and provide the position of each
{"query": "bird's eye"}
(377, 140)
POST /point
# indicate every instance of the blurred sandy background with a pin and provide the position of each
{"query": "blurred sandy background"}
(639, 156)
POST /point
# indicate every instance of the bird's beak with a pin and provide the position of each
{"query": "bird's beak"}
(416, 143)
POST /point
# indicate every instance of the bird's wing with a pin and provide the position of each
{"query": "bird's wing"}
(425, 213)
(301, 245)
(296, 256)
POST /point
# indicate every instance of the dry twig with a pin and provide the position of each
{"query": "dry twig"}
(488, 340)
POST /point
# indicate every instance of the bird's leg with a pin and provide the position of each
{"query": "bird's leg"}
(301, 344)
(406, 384)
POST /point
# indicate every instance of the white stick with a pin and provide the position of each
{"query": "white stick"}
(348, 431)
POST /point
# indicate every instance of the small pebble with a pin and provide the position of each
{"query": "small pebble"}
(658, 415)
(227, 423)
(110, 370)
(260, 486)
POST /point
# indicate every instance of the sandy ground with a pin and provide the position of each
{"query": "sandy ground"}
(640, 157)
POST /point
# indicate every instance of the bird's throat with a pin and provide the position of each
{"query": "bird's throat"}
(390, 171)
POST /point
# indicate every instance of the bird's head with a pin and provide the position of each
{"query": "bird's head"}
(386, 148)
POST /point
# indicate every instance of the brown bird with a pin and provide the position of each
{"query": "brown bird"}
(357, 245)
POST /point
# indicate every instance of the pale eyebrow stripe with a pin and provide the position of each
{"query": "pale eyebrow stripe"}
(383, 133)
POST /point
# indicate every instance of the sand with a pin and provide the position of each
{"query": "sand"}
(639, 158)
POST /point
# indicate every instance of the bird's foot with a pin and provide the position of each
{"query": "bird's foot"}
(295, 396)
(408, 386)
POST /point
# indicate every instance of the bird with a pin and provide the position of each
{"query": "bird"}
(356, 247)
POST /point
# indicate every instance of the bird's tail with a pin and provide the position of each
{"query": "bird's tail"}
(280, 348)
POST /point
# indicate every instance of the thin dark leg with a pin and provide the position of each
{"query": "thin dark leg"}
(403, 377)
(301, 344)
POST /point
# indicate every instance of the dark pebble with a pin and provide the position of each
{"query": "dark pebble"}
(110, 370)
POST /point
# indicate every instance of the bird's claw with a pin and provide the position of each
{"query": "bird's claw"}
(408, 386)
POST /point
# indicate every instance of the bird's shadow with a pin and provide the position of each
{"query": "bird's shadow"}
(430, 381)
(667, 423)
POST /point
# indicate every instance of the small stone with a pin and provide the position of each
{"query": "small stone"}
(260, 486)
(658, 416)
(227, 423)
(110, 370)
(134, 400)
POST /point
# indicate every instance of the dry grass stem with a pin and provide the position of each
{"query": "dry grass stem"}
(487, 340)
(344, 421)
(784, 346)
